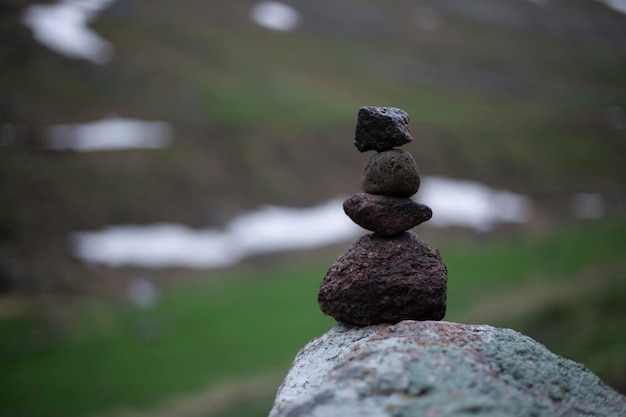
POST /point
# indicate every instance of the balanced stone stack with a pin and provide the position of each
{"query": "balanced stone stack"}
(389, 275)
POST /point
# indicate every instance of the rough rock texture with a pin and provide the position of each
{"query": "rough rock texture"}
(393, 173)
(387, 216)
(385, 280)
(438, 369)
(381, 128)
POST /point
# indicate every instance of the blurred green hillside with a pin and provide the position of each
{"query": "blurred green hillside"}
(507, 93)
(510, 93)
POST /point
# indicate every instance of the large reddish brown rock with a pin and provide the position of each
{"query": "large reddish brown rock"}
(387, 216)
(385, 280)
(393, 173)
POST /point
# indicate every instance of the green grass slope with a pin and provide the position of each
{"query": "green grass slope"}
(563, 288)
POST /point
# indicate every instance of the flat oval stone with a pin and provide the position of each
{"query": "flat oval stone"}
(387, 216)
(385, 280)
(381, 128)
(393, 173)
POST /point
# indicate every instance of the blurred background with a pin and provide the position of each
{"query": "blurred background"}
(172, 173)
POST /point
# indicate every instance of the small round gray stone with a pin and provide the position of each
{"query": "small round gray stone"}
(393, 173)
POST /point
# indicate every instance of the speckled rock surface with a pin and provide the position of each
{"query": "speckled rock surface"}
(439, 368)
(381, 128)
(393, 173)
(385, 280)
(387, 216)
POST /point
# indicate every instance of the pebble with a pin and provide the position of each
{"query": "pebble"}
(393, 173)
(387, 216)
(381, 129)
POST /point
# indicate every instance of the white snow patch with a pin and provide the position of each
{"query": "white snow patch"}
(275, 15)
(269, 229)
(155, 246)
(617, 5)
(112, 133)
(274, 228)
(63, 27)
(472, 204)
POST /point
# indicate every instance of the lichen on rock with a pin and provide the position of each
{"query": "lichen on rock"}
(438, 368)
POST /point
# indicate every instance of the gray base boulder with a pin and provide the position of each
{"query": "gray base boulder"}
(437, 368)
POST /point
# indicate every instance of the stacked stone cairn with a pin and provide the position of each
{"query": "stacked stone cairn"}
(389, 275)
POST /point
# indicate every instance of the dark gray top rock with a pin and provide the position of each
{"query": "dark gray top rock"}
(385, 280)
(438, 369)
(381, 129)
(393, 173)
